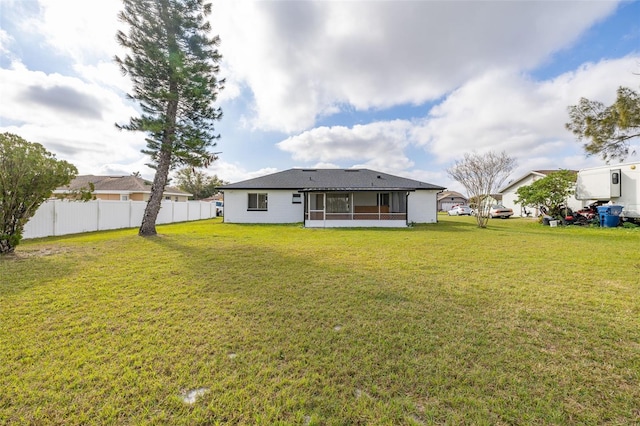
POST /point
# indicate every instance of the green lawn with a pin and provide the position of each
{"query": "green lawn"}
(436, 324)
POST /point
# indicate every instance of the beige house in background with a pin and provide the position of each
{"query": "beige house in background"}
(448, 199)
(120, 188)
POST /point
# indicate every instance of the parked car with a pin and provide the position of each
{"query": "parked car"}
(498, 210)
(460, 211)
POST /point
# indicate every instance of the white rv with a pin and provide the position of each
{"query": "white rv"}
(618, 184)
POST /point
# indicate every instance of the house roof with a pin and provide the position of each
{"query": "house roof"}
(450, 194)
(540, 173)
(116, 184)
(332, 180)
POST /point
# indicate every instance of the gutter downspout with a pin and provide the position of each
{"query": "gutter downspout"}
(439, 192)
(305, 209)
(406, 203)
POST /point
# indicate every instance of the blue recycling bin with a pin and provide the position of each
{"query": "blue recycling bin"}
(609, 215)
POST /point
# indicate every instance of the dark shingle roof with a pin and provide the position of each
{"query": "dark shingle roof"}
(449, 194)
(331, 180)
(116, 183)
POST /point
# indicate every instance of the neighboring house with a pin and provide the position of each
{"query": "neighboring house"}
(509, 194)
(448, 199)
(331, 198)
(120, 188)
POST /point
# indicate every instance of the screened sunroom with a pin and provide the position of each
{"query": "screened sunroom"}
(343, 208)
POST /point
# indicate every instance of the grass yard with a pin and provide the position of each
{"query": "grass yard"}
(436, 324)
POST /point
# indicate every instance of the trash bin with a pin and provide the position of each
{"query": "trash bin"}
(616, 210)
(609, 215)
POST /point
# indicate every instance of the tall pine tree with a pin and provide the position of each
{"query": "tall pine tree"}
(173, 63)
(609, 131)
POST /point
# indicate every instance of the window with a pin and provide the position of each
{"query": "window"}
(615, 178)
(383, 199)
(338, 203)
(296, 199)
(257, 201)
(124, 197)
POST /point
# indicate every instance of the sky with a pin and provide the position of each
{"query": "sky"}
(402, 87)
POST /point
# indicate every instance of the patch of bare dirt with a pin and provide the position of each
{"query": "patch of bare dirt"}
(27, 253)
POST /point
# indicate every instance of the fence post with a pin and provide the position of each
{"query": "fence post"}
(55, 219)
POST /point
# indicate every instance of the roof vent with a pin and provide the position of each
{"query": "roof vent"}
(379, 177)
(352, 170)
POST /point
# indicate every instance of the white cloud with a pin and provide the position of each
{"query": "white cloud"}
(503, 110)
(5, 40)
(80, 29)
(70, 117)
(305, 59)
(380, 145)
(234, 172)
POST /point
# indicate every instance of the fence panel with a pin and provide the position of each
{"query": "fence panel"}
(73, 218)
(137, 212)
(180, 212)
(114, 215)
(193, 212)
(207, 210)
(62, 217)
(165, 215)
(42, 224)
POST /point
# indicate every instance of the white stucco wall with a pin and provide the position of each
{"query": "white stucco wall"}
(422, 206)
(281, 209)
(509, 198)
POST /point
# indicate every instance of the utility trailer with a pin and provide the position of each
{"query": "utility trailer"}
(618, 184)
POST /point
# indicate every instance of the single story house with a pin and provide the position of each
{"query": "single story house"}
(509, 194)
(331, 198)
(448, 199)
(120, 188)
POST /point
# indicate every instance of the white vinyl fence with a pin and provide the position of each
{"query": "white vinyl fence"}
(62, 217)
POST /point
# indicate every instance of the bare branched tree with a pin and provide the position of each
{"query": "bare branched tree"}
(482, 175)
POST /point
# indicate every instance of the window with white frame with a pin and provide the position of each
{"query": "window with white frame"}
(124, 197)
(296, 199)
(257, 201)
